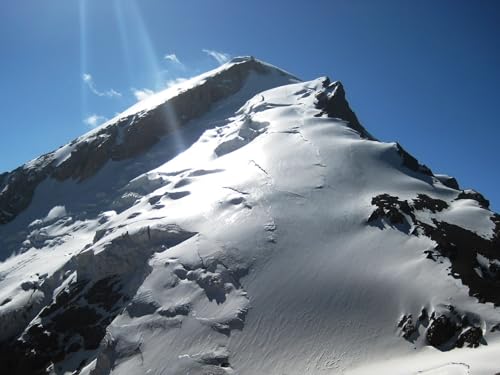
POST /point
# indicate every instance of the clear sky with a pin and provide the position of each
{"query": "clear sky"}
(425, 73)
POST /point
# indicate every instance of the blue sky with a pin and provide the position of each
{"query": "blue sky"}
(425, 73)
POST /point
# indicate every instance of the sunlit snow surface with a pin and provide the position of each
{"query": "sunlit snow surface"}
(284, 195)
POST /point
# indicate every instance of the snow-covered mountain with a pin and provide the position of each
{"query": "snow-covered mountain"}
(244, 222)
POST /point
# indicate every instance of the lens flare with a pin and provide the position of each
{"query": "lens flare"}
(149, 53)
(124, 38)
(83, 55)
(131, 26)
(137, 45)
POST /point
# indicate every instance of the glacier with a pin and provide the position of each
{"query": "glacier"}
(244, 222)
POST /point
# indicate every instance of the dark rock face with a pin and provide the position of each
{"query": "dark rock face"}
(333, 103)
(215, 360)
(495, 328)
(451, 182)
(17, 189)
(471, 338)
(425, 202)
(462, 247)
(391, 208)
(408, 328)
(76, 320)
(397, 211)
(441, 330)
(175, 311)
(411, 163)
(474, 195)
(466, 251)
(127, 138)
(444, 330)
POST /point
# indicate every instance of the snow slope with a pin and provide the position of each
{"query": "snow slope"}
(270, 235)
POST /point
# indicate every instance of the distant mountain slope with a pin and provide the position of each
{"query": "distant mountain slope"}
(244, 223)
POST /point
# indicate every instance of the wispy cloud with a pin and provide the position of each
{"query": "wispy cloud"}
(173, 58)
(220, 57)
(94, 120)
(141, 94)
(176, 81)
(89, 81)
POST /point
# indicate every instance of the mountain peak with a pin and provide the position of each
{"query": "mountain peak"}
(241, 59)
(141, 126)
(332, 100)
(243, 222)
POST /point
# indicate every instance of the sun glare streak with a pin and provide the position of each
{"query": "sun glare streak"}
(170, 115)
(174, 126)
(83, 55)
(150, 54)
(137, 46)
(124, 38)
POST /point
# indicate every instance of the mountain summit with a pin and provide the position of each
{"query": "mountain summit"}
(244, 222)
